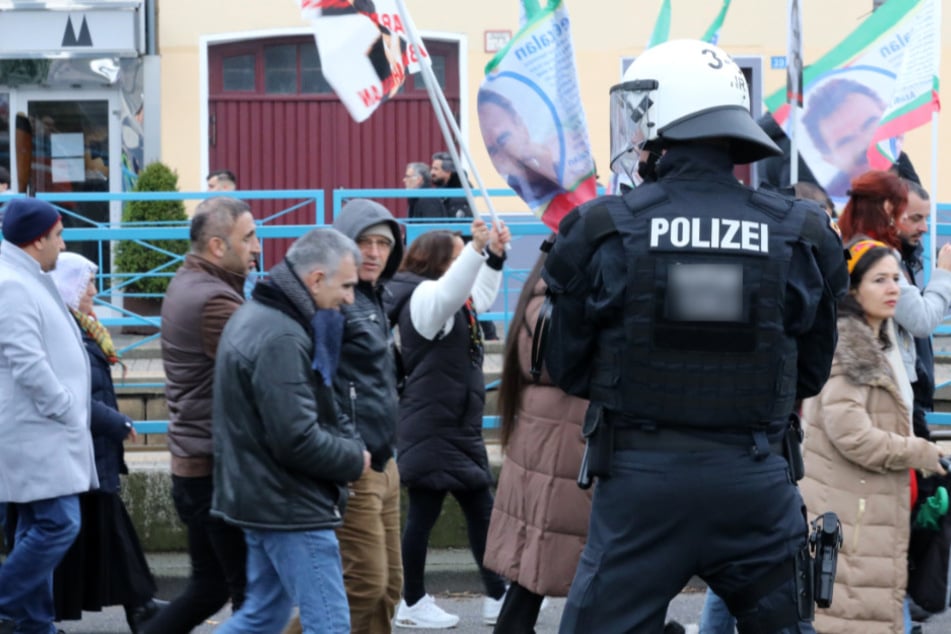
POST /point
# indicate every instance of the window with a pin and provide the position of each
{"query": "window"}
(280, 69)
(238, 73)
(312, 80)
(439, 70)
(292, 66)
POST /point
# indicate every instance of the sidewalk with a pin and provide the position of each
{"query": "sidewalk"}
(448, 570)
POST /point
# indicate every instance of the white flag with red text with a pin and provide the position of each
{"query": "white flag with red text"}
(365, 53)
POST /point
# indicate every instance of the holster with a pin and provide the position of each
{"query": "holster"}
(792, 448)
(826, 539)
(599, 446)
(805, 584)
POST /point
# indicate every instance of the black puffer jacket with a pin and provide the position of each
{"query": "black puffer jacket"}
(282, 454)
(439, 443)
(365, 383)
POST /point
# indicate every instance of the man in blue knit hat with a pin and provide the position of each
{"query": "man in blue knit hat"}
(46, 452)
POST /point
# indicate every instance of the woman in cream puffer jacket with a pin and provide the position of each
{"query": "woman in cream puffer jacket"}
(858, 450)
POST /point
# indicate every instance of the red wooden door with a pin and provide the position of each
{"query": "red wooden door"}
(275, 123)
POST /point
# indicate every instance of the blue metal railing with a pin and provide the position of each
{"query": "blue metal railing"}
(113, 285)
(521, 224)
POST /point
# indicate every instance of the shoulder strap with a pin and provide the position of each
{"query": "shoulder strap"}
(540, 338)
(598, 225)
(814, 227)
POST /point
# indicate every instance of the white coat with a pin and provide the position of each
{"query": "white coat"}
(46, 448)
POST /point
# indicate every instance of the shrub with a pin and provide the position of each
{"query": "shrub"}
(132, 257)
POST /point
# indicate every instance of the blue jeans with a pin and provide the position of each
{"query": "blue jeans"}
(288, 568)
(3, 526)
(45, 531)
(716, 617)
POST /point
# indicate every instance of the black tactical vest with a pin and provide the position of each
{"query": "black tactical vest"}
(702, 342)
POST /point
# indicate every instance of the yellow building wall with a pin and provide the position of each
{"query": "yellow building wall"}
(604, 31)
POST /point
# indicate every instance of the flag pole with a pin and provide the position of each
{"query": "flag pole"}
(794, 87)
(445, 118)
(793, 144)
(933, 229)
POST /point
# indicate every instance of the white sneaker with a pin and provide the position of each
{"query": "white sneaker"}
(424, 615)
(491, 608)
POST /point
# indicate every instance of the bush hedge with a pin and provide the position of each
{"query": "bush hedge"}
(133, 257)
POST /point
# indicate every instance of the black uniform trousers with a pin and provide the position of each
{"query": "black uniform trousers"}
(665, 516)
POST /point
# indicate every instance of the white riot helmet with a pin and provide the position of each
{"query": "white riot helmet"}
(683, 90)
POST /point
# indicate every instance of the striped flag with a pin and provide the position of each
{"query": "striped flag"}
(713, 32)
(364, 50)
(531, 117)
(661, 32)
(862, 96)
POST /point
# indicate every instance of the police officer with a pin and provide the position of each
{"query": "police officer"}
(694, 313)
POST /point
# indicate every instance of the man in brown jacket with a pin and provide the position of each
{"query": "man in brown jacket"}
(201, 298)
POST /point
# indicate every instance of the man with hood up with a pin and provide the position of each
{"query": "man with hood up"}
(365, 390)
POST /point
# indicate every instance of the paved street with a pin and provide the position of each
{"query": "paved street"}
(684, 609)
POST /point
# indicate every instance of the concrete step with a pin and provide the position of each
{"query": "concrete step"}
(149, 347)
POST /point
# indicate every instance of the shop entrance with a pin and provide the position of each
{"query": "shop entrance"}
(64, 144)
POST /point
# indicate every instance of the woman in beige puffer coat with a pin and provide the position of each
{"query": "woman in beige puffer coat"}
(859, 448)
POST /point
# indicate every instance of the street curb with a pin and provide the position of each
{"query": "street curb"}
(448, 571)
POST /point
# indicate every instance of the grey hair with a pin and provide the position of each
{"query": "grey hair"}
(323, 249)
(214, 217)
(421, 170)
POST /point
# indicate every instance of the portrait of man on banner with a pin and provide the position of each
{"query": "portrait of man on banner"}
(531, 160)
(842, 113)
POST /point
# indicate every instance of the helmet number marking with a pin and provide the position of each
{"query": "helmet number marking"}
(715, 63)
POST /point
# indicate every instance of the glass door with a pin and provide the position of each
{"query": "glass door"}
(72, 147)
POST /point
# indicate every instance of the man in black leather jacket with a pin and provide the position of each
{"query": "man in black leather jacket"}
(283, 455)
(365, 390)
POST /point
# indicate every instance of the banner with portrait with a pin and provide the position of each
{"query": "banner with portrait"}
(531, 117)
(863, 95)
(364, 50)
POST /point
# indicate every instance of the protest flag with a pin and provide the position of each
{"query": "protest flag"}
(862, 96)
(712, 34)
(364, 51)
(661, 32)
(531, 117)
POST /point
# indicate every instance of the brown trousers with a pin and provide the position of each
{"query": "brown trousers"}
(370, 550)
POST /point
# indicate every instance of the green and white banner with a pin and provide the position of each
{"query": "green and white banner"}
(862, 96)
(531, 117)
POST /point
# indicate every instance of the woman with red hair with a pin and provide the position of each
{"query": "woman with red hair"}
(876, 201)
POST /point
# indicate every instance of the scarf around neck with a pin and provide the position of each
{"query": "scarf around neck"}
(92, 327)
(326, 325)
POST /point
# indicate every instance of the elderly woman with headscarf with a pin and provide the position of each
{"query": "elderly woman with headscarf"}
(105, 566)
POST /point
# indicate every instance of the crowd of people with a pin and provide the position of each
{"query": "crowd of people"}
(284, 416)
(654, 353)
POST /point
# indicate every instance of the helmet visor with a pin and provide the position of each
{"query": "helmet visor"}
(630, 123)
